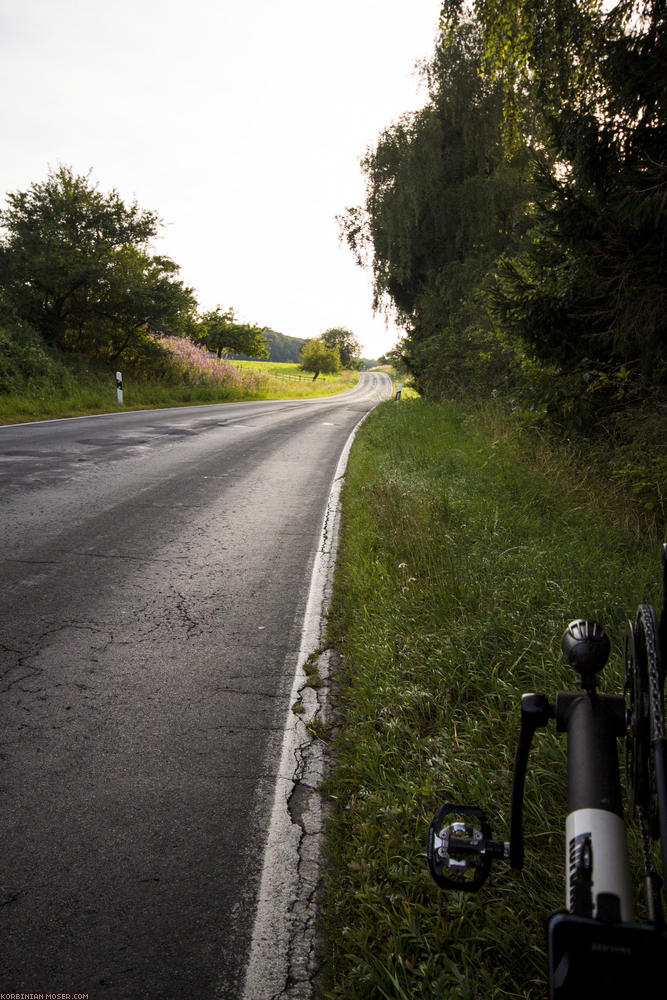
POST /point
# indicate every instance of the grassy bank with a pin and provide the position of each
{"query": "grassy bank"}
(80, 392)
(466, 548)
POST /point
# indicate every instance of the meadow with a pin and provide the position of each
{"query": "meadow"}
(291, 372)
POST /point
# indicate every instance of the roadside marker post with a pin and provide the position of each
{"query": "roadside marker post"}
(119, 387)
(398, 390)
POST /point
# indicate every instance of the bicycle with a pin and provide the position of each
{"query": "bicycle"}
(594, 945)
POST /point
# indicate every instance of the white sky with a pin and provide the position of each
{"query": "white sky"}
(240, 122)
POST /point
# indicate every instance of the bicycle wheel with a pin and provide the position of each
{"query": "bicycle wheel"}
(645, 771)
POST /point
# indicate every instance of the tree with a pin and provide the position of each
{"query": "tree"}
(221, 333)
(523, 208)
(540, 52)
(443, 201)
(348, 346)
(587, 287)
(317, 357)
(75, 264)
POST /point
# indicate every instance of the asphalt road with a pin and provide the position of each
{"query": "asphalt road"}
(155, 567)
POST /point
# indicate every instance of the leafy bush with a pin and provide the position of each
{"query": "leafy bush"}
(23, 360)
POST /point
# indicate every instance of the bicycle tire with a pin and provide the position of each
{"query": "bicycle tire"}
(646, 719)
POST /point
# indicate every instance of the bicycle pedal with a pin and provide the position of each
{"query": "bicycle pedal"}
(460, 849)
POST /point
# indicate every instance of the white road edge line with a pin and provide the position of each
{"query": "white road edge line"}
(275, 969)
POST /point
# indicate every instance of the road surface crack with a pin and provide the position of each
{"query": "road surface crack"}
(306, 811)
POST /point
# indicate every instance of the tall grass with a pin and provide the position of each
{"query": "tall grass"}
(465, 551)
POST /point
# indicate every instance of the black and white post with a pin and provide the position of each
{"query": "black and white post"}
(119, 387)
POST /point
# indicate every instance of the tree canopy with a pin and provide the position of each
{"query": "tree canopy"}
(76, 265)
(588, 284)
(349, 348)
(443, 201)
(221, 332)
(317, 357)
(520, 215)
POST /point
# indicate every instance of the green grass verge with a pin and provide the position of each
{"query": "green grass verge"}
(465, 551)
(77, 394)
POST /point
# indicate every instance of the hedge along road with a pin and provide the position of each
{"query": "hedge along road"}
(156, 567)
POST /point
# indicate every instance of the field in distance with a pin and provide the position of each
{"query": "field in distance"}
(291, 370)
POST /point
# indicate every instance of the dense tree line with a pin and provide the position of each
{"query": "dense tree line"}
(516, 224)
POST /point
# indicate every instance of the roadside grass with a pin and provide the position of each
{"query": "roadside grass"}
(80, 393)
(466, 548)
(86, 395)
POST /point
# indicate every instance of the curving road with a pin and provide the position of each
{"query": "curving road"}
(155, 567)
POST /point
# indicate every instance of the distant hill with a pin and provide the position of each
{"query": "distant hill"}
(281, 347)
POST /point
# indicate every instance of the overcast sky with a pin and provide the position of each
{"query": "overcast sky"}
(240, 122)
